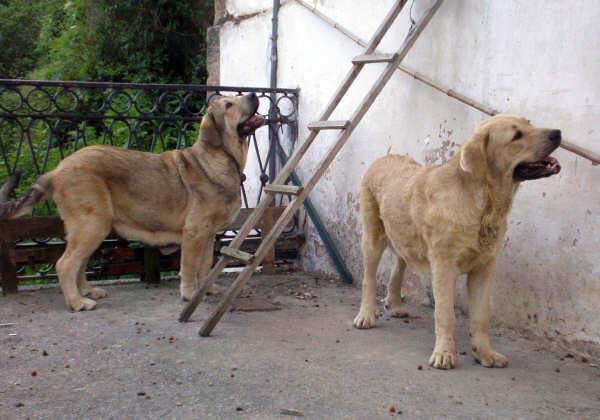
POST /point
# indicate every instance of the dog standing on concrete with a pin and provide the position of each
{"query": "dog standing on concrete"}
(450, 220)
(178, 197)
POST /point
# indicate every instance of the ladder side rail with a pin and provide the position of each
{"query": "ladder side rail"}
(287, 169)
(355, 70)
(289, 211)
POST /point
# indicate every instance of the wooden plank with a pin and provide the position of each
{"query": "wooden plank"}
(285, 172)
(32, 227)
(9, 186)
(244, 214)
(357, 116)
(578, 150)
(124, 260)
(8, 270)
(52, 226)
(237, 254)
(283, 189)
(328, 125)
(373, 58)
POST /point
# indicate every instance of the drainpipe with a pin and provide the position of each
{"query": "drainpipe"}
(276, 149)
(273, 84)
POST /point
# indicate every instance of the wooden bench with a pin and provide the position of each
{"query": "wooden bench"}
(121, 258)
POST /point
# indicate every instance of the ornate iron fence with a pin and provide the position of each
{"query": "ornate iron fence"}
(42, 122)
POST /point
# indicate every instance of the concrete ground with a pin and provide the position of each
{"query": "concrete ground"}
(130, 358)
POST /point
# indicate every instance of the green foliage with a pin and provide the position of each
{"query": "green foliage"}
(160, 41)
(111, 40)
(19, 29)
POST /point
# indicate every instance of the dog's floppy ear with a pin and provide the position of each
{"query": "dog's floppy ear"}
(209, 131)
(473, 156)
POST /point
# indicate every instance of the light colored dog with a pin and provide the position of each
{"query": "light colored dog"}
(178, 197)
(450, 220)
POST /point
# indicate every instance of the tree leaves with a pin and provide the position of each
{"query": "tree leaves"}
(110, 40)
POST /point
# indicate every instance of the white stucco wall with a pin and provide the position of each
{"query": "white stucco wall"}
(536, 58)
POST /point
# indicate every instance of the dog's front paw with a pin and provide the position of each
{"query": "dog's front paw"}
(95, 293)
(396, 310)
(186, 292)
(366, 318)
(490, 358)
(82, 304)
(444, 359)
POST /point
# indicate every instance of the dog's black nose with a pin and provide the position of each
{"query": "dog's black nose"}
(555, 136)
(252, 98)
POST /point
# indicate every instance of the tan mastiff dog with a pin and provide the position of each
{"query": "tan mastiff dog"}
(450, 220)
(178, 197)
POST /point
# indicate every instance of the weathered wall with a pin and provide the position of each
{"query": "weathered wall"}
(537, 58)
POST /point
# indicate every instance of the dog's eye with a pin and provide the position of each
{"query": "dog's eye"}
(518, 135)
(228, 105)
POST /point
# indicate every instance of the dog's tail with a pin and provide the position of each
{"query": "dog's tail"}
(20, 206)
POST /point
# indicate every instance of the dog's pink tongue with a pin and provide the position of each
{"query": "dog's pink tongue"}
(254, 122)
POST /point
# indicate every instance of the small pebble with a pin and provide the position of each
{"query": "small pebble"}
(557, 370)
(44, 353)
(141, 394)
(239, 409)
(290, 412)
(19, 404)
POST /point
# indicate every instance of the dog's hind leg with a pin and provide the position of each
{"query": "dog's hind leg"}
(84, 204)
(82, 240)
(393, 299)
(85, 288)
(373, 245)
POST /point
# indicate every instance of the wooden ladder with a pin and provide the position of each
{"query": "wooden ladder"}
(278, 186)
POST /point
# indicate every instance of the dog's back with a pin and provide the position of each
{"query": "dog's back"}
(375, 185)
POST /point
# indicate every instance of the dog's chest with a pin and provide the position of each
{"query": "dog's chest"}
(226, 211)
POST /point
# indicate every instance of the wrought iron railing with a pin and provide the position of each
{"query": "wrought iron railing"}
(42, 122)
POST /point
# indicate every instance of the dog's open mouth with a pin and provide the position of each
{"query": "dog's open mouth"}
(541, 169)
(247, 127)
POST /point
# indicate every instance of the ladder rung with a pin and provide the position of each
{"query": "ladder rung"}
(283, 189)
(374, 58)
(328, 125)
(242, 256)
